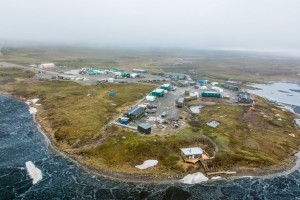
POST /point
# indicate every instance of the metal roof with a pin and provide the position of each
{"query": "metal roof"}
(192, 151)
(159, 90)
(213, 124)
(245, 96)
(211, 92)
(144, 126)
(181, 100)
(136, 111)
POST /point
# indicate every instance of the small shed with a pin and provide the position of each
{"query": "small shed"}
(213, 124)
(183, 84)
(118, 74)
(187, 93)
(144, 128)
(150, 98)
(194, 95)
(203, 82)
(180, 102)
(245, 98)
(110, 80)
(204, 87)
(191, 154)
(134, 75)
(192, 83)
(124, 120)
(242, 91)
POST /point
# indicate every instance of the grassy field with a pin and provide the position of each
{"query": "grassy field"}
(76, 116)
(213, 65)
(76, 122)
(10, 75)
(123, 150)
(250, 138)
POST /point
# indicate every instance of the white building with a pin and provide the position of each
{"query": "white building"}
(203, 87)
(191, 153)
(118, 73)
(46, 65)
(133, 75)
(218, 89)
(150, 98)
(110, 80)
(194, 94)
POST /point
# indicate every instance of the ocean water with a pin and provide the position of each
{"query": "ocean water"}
(21, 141)
(282, 92)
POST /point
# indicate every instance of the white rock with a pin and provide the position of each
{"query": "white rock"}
(34, 172)
(147, 164)
(197, 177)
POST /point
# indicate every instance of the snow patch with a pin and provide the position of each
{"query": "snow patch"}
(197, 177)
(147, 164)
(34, 172)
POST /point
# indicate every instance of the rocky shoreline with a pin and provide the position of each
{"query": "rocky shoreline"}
(291, 165)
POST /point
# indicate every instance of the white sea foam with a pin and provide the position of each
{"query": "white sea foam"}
(246, 177)
(34, 172)
(34, 100)
(197, 177)
(147, 164)
(32, 110)
(216, 177)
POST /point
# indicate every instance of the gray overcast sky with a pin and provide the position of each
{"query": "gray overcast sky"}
(246, 24)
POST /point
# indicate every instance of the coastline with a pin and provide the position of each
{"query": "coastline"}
(275, 170)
